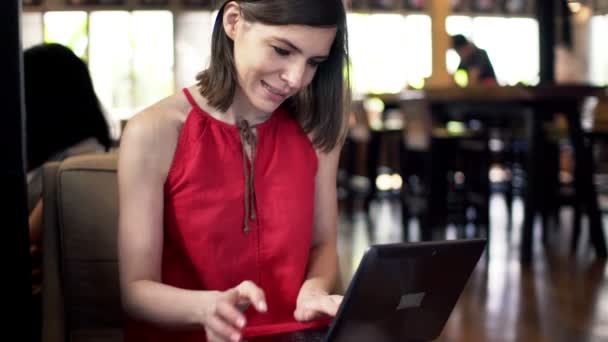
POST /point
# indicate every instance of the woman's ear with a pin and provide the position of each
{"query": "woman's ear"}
(232, 16)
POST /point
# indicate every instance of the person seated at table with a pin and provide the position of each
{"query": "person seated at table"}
(475, 61)
(63, 118)
(227, 189)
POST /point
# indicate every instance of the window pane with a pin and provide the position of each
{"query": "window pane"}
(377, 58)
(111, 56)
(457, 24)
(192, 46)
(31, 29)
(599, 51)
(418, 52)
(69, 29)
(513, 47)
(152, 37)
(511, 43)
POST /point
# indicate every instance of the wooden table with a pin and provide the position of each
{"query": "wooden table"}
(535, 104)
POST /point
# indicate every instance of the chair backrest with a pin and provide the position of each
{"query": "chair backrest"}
(81, 294)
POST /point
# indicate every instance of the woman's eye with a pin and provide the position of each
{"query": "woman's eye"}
(281, 52)
(314, 63)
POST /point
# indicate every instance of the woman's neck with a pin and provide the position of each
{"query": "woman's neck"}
(242, 109)
(235, 113)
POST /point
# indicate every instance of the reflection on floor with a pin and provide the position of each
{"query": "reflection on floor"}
(558, 297)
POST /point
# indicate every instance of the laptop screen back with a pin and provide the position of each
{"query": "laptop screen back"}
(405, 292)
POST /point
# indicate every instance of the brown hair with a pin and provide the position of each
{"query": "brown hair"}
(321, 107)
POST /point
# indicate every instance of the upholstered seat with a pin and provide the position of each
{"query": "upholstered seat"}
(81, 295)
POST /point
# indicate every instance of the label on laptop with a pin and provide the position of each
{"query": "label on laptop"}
(410, 300)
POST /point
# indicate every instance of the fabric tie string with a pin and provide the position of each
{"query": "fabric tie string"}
(248, 138)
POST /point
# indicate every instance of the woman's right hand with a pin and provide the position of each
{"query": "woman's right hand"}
(223, 318)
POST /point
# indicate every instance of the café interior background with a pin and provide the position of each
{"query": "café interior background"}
(139, 51)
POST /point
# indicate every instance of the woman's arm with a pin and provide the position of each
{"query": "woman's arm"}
(35, 224)
(146, 151)
(314, 299)
(142, 164)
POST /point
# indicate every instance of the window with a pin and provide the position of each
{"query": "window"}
(68, 28)
(130, 54)
(457, 24)
(153, 56)
(31, 29)
(598, 53)
(511, 43)
(192, 45)
(388, 51)
(111, 62)
(134, 60)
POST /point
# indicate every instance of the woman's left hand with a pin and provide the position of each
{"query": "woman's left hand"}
(312, 307)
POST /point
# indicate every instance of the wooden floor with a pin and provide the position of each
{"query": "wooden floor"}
(558, 297)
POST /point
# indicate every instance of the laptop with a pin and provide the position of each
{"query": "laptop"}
(400, 292)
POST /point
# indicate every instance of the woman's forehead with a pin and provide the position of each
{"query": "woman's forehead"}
(308, 39)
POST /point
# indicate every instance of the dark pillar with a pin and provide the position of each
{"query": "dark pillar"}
(16, 273)
(545, 14)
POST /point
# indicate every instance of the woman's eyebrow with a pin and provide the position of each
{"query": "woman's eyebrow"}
(297, 49)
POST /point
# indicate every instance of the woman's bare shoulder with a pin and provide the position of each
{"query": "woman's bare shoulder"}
(151, 135)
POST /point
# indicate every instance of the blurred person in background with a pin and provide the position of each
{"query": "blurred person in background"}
(63, 118)
(474, 61)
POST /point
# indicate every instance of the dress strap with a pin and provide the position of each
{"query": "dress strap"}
(190, 98)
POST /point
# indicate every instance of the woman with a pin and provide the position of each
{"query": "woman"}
(228, 190)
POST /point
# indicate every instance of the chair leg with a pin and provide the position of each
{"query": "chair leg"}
(576, 229)
(405, 217)
(509, 203)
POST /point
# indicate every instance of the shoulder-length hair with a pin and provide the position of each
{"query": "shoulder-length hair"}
(62, 108)
(321, 107)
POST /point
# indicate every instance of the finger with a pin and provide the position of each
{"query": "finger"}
(222, 330)
(305, 311)
(228, 312)
(318, 307)
(233, 296)
(337, 299)
(213, 337)
(307, 315)
(329, 305)
(303, 315)
(249, 291)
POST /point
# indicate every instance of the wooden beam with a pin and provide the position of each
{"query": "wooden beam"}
(439, 11)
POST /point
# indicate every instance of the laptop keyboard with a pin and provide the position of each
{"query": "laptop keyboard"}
(312, 335)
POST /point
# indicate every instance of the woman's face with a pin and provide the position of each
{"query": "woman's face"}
(275, 62)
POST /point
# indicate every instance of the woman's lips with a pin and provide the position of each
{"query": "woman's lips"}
(274, 94)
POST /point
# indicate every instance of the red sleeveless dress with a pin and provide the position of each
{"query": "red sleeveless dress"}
(205, 244)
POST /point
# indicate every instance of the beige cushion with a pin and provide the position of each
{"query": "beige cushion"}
(81, 296)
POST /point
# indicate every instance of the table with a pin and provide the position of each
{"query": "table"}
(535, 104)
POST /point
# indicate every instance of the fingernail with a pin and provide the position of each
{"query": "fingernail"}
(262, 306)
(236, 337)
(241, 322)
